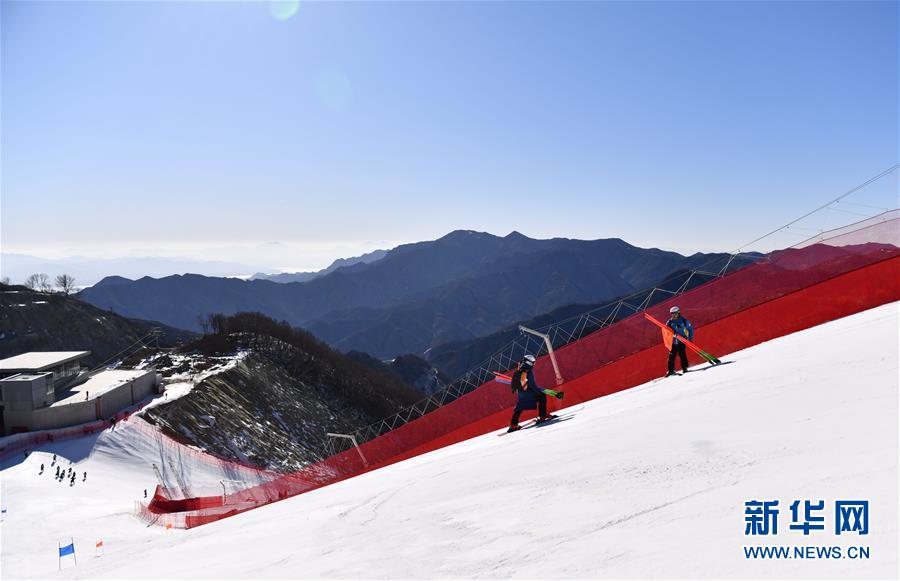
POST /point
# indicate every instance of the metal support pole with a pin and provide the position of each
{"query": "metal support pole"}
(222, 482)
(159, 477)
(355, 445)
(546, 338)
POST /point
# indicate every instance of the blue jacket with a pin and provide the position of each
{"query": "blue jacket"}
(528, 398)
(682, 328)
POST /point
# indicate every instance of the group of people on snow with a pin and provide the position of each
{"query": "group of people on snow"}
(63, 474)
(529, 395)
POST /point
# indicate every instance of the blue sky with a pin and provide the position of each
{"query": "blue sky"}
(215, 130)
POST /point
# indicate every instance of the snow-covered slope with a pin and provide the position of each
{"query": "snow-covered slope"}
(650, 482)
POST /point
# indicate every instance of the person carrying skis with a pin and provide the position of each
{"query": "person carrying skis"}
(529, 394)
(681, 327)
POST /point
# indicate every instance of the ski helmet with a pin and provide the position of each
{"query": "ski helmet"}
(674, 310)
(528, 361)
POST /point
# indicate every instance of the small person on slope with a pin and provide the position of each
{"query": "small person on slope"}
(681, 327)
(529, 394)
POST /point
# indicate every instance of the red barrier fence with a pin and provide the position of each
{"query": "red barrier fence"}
(786, 292)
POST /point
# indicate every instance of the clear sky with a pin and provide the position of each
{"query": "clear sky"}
(220, 129)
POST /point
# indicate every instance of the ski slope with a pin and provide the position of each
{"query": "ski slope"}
(649, 482)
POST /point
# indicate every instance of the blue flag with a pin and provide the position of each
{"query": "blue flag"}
(67, 550)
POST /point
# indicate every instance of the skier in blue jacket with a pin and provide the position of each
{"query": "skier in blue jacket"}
(529, 394)
(681, 327)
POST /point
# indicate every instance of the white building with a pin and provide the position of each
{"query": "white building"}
(45, 390)
(63, 365)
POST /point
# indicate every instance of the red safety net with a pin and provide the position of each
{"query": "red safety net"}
(845, 272)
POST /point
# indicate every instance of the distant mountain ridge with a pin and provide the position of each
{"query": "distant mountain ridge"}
(412, 369)
(458, 287)
(35, 321)
(284, 277)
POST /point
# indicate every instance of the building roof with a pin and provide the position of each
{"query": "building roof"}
(100, 384)
(40, 360)
(25, 376)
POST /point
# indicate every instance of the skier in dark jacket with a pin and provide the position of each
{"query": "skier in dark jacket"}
(529, 394)
(681, 327)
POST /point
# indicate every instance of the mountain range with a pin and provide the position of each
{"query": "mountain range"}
(459, 287)
(307, 276)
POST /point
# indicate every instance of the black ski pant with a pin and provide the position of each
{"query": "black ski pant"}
(542, 409)
(681, 350)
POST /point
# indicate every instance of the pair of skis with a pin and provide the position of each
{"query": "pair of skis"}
(564, 415)
(668, 335)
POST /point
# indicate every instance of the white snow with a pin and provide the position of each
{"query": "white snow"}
(650, 482)
(178, 385)
(119, 465)
(225, 364)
